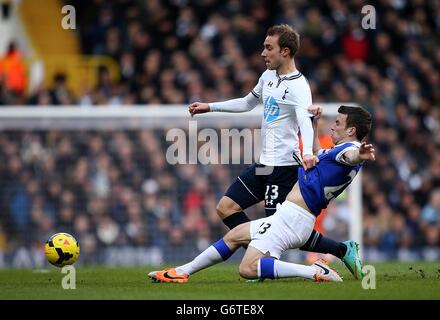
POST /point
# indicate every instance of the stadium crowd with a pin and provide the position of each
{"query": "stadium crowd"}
(116, 188)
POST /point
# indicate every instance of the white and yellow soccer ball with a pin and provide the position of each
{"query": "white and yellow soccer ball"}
(61, 249)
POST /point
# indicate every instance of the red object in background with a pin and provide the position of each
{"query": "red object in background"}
(192, 200)
(13, 70)
(355, 46)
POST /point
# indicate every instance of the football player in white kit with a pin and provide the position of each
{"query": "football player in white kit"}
(291, 225)
(286, 95)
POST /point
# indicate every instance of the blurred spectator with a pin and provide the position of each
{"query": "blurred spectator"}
(60, 94)
(431, 212)
(355, 42)
(13, 71)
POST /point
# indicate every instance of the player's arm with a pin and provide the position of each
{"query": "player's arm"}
(236, 105)
(307, 135)
(316, 143)
(303, 100)
(355, 156)
(244, 104)
(316, 110)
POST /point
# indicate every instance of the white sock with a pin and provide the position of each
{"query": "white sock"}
(284, 269)
(206, 259)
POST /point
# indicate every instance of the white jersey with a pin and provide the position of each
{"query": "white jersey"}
(285, 100)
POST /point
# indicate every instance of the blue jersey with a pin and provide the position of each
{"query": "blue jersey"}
(328, 178)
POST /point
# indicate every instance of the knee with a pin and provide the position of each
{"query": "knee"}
(238, 236)
(222, 211)
(231, 236)
(226, 207)
(248, 270)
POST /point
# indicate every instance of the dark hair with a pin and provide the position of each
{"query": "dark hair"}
(288, 37)
(359, 118)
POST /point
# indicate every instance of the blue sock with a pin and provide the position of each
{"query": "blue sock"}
(223, 249)
(266, 268)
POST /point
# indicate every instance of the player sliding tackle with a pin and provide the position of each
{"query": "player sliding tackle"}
(291, 225)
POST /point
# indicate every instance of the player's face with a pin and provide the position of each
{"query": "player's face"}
(338, 129)
(272, 52)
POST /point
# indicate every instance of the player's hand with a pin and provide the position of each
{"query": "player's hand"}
(366, 152)
(309, 161)
(198, 107)
(316, 110)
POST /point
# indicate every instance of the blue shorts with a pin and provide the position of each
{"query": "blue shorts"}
(251, 187)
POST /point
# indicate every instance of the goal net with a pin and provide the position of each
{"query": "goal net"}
(135, 185)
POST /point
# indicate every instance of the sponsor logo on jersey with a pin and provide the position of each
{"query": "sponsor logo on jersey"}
(271, 109)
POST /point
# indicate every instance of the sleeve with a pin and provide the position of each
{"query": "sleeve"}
(235, 105)
(339, 157)
(257, 91)
(244, 104)
(303, 100)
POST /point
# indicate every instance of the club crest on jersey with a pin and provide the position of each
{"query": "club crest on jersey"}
(271, 109)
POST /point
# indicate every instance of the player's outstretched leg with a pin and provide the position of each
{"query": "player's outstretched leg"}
(270, 268)
(254, 266)
(217, 252)
(351, 259)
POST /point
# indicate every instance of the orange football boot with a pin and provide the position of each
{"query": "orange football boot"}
(168, 275)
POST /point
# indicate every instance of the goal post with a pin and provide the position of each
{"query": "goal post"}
(166, 117)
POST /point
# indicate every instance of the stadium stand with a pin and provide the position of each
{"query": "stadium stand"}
(115, 189)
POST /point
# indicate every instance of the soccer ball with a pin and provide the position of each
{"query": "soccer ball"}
(61, 249)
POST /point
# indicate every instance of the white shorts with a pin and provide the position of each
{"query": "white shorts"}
(289, 228)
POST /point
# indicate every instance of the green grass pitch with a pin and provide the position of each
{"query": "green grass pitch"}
(412, 280)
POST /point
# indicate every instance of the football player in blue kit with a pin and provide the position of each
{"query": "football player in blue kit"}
(292, 224)
(286, 95)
